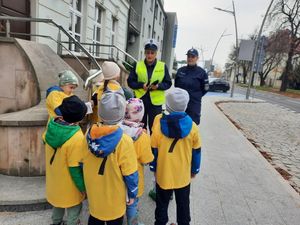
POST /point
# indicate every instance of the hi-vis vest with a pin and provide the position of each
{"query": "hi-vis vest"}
(157, 96)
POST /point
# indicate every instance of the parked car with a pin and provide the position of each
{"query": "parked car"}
(218, 84)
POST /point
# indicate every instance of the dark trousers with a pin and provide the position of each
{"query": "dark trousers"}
(182, 197)
(95, 221)
(194, 110)
(150, 112)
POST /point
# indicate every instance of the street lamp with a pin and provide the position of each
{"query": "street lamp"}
(201, 50)
(255, 50)
(212, 57)
(236, 42)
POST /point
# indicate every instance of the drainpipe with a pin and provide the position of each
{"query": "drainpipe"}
(154, 18)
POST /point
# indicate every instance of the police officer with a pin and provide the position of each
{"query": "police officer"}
(194, 80)
(149, 79)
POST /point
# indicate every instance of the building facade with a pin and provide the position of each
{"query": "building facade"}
(126, 24)
(88, 21)
(149, 20)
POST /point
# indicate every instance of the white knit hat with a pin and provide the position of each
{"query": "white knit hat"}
(177, 100)
(112, 107)
(110, 70)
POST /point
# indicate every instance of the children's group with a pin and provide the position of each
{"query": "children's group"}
(104, 161)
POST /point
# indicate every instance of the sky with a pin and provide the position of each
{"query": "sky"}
(200, 25)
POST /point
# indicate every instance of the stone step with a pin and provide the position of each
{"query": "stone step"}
(22, 193)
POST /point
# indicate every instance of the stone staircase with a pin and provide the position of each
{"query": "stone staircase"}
(28, 69)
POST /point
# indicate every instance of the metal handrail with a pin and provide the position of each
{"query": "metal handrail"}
(88, 80)
(111, 46)
(108, 45)
(49, 21)
(45, 36)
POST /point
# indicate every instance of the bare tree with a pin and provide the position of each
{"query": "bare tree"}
(276, 47)
(288, 13)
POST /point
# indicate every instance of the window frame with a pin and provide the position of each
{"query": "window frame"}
(96, 26)
(74, 14)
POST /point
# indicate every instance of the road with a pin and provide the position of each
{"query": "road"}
(287, 102)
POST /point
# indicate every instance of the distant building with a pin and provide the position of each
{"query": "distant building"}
(149, 20)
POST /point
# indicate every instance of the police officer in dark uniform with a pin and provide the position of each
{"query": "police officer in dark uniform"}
(194, 80)
(149, 79)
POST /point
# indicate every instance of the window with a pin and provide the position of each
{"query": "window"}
(154, 35)
(158, 39)
(149, 31)
(114, 27)
(152, 4)
(143, 33)
(156, 11)
(163, 25)
(160, 16)
(75, 22)
(97, 32)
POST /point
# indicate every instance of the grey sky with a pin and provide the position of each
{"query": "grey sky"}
(200, 25)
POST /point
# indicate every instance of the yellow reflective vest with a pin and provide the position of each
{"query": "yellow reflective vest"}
(157, 96)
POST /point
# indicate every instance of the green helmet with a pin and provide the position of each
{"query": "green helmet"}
(67, 77)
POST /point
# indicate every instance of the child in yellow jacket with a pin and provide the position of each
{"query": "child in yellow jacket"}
(132, 126)
(176, 146)
(64, 144)
(109, 164)
(68, 82)
(111, 73)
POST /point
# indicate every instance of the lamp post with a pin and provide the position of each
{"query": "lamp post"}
(212, 57)
(201, 50)
(236, 42)
(255, 50)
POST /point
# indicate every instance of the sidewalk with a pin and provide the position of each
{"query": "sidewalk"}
(236, 185)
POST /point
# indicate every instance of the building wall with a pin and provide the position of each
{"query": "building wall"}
(58, 11)
(149, 28)
(134, 48)
(158, 28)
